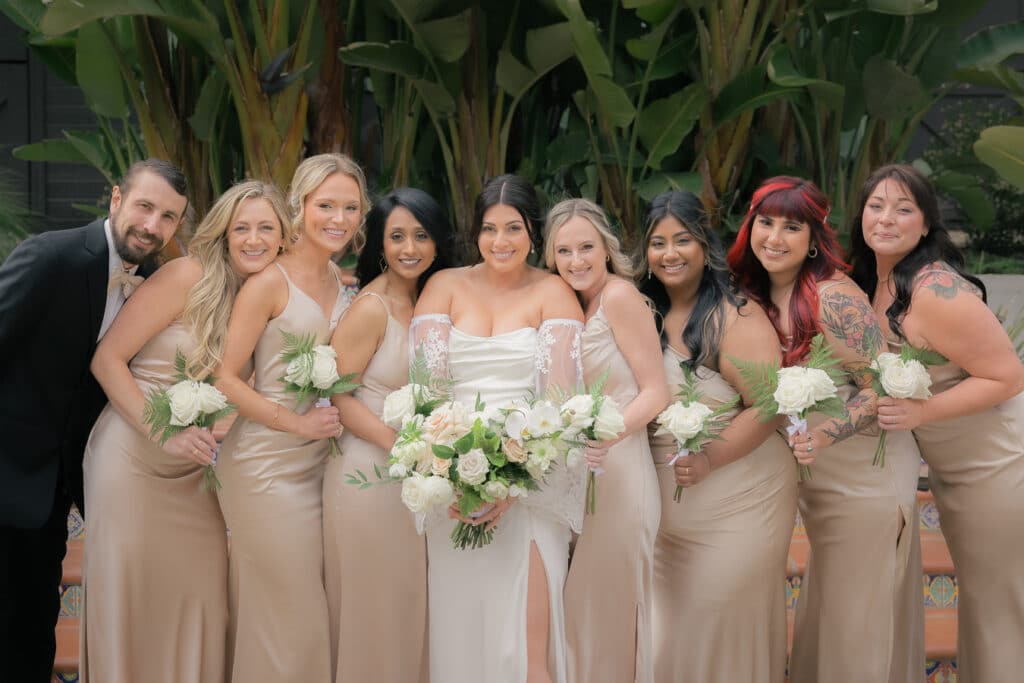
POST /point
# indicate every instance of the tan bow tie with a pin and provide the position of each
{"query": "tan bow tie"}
(126, 281)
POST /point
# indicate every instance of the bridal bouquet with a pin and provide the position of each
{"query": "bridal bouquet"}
(184, 404)
(448, 452)
(313, 370)
(797, 391)
(591, 416)
(690, 421)
(902, 375)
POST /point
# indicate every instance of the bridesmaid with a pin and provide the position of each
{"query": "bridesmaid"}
(272, 462)
(971, 431)
(376, 563)
(860, 614)
(720, 554)
(608, 590)
(151, 615)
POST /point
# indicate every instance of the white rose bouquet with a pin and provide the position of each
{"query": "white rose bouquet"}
(313, 370)
(690, 421)
(903, 375)
(184, 404)
(447, 452)
(591, 416)
(797, 391)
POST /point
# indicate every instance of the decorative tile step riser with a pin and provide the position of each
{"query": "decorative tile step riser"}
(940, 671)
(940, 591)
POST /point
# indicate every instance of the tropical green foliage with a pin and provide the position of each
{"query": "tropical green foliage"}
(610, 99)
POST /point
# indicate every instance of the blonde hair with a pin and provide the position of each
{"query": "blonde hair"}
(560, 213)
(310, 174)
(210, 300)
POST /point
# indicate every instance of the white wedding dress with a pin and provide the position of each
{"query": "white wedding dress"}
(477, 597)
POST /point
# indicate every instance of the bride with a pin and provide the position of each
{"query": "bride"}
(502, 329)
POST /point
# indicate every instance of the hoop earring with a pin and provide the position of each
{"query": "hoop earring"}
(812, 252)
(383, 264)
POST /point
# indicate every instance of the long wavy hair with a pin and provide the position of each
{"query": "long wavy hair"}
(702, 335)
(509, 190)
(310, 174)
(935, 244)
(560, 213)
(427, 212)
(209, 302)
(799, 200)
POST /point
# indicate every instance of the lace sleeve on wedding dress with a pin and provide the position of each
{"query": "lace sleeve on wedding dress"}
(559, 365)
(428, 337)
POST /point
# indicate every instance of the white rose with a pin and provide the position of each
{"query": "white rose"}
(185, 403)
(447, 423)
(440, 467)
(325, 367)
(543, 419)
(415, 495)
(795, 392)
(516, 491)
(609, 422)
(473, 467)
(412, 453)
(300, 370)
(884, 360)
(683, 422)
(439, 491)
(496, 490)
(210, 398)
(577, 412)
(397, 471)
(906, 379)
(822, 386)
(513, 450)
(399, 406)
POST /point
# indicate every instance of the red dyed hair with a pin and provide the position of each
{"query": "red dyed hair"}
(799, 200)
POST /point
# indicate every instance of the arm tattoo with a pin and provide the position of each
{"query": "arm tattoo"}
(843, 429)
(946, 283)
(852, 320)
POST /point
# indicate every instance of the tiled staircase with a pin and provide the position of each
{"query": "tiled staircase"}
(938, 581)
(939, 588)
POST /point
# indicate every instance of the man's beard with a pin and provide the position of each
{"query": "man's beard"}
(128, 253)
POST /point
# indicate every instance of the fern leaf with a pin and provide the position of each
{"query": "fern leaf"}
(822, 358)
(296, 345)
(761, 380)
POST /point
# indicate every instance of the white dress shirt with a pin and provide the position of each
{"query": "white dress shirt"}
(115, 297)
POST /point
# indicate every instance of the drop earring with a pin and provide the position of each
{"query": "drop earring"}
(383, 264)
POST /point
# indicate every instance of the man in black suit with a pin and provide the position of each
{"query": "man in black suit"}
(59, 292)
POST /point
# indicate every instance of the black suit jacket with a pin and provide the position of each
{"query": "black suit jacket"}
(53, 290)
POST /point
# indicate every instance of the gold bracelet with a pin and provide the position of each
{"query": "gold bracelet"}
(277, 414)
